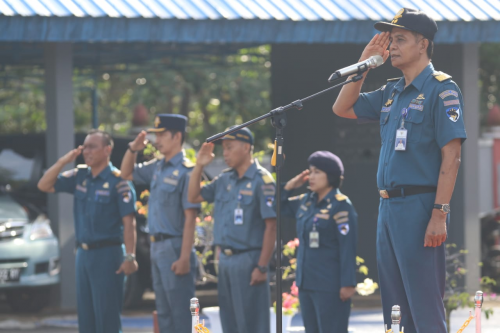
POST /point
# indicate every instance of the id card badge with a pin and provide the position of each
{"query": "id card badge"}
(238, 216)
(314, 239)
(401, 135)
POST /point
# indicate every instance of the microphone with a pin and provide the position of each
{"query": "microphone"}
(360, 67)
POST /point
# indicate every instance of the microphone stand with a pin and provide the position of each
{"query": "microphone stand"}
(278, 120)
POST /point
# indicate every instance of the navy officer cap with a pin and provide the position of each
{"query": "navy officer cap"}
(327, 162)
(413, 20)
(167, 121)
(242, 134)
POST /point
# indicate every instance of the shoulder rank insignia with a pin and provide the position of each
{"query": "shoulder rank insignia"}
(227, 170)
(82, 166)
(297, 197)
(340, 197)
(267, 179)
(440, 76)
(69, 173)
(188, 164)
(394, 79)
(116, 173)
(324, 211)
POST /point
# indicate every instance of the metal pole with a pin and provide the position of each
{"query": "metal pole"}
(195, 313)
(478, 300)
(396, 318)
(95, 102)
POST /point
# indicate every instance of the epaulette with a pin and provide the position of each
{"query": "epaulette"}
(154, 160)
(116, 173)
(188, 164)
(340, 197)
(394, 79)
(440, 76)
(227, 170)
(266, 177)
(297, 197)
(82, 166)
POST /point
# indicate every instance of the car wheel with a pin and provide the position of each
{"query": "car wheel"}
(133, 291)
(28, 300)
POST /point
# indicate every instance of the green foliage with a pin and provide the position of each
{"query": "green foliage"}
(213, 91)
(489, 77)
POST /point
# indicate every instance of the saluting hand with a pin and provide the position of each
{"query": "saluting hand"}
(71, 155)
(206, 154)
(346, 293)
(377, 46)
(298, 180)
(128, 267)
(435, 235)
(181, 267)
(139, 142)
(257, 277)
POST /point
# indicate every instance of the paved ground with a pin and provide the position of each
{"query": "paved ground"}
(140, 321)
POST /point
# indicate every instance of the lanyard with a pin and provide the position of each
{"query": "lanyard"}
(240, 197)
(315, 222)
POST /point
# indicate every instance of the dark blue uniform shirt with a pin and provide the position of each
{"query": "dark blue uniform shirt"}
(169, 186)
(332, 265)
(435, 117)
(254, 193)
(100, 202)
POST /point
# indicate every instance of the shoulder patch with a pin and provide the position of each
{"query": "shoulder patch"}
(188, 164)
(340, 197)
(116, 173)
(394, 79)
(82, 166)
(297, 197)
(440, 76)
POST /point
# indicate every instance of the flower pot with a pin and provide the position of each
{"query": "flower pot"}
(286, 320)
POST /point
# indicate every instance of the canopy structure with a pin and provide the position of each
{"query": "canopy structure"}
(308, 37)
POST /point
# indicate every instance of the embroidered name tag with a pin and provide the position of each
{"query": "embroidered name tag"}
(386, 109)
(246, 192)
(416, 107)
(170, 181)
(102, 192)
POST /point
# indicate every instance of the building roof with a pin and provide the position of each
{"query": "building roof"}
(235, 21)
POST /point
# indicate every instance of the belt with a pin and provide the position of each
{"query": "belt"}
(98, 245)
(228, 251)
(406, 191)
(160, 237)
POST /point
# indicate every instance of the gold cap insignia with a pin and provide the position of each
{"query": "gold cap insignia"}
(157, 121)
(398, 16)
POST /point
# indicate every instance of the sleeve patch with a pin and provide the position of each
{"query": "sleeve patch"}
(451, 102)
(453, 114)
(447, 93)
(69, 173)
(124, 188)
(340, 214)
(342, 220)
(343, 228)
(126, 196)
(297, 197)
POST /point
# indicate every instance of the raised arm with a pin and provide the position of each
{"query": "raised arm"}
(49, 178)
(204, 157)
(128, 161)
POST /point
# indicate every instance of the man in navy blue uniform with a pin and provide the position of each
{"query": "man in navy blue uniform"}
(171, 220)
(244, 229)
(422, 130)
(104, 207)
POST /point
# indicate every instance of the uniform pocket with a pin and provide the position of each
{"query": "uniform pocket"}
(414, 125)
(169, 195)
(384, 118)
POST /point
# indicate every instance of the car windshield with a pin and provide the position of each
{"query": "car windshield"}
(15, 169)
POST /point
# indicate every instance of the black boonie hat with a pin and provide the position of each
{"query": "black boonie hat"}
(243, 134)
(413, 20)
(167, 121)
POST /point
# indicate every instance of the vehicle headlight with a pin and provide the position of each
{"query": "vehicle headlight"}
(40, 228)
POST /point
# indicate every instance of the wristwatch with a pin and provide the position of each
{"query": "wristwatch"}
(262, 269)
(129, 257)
(445, 208)
(131, 150)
